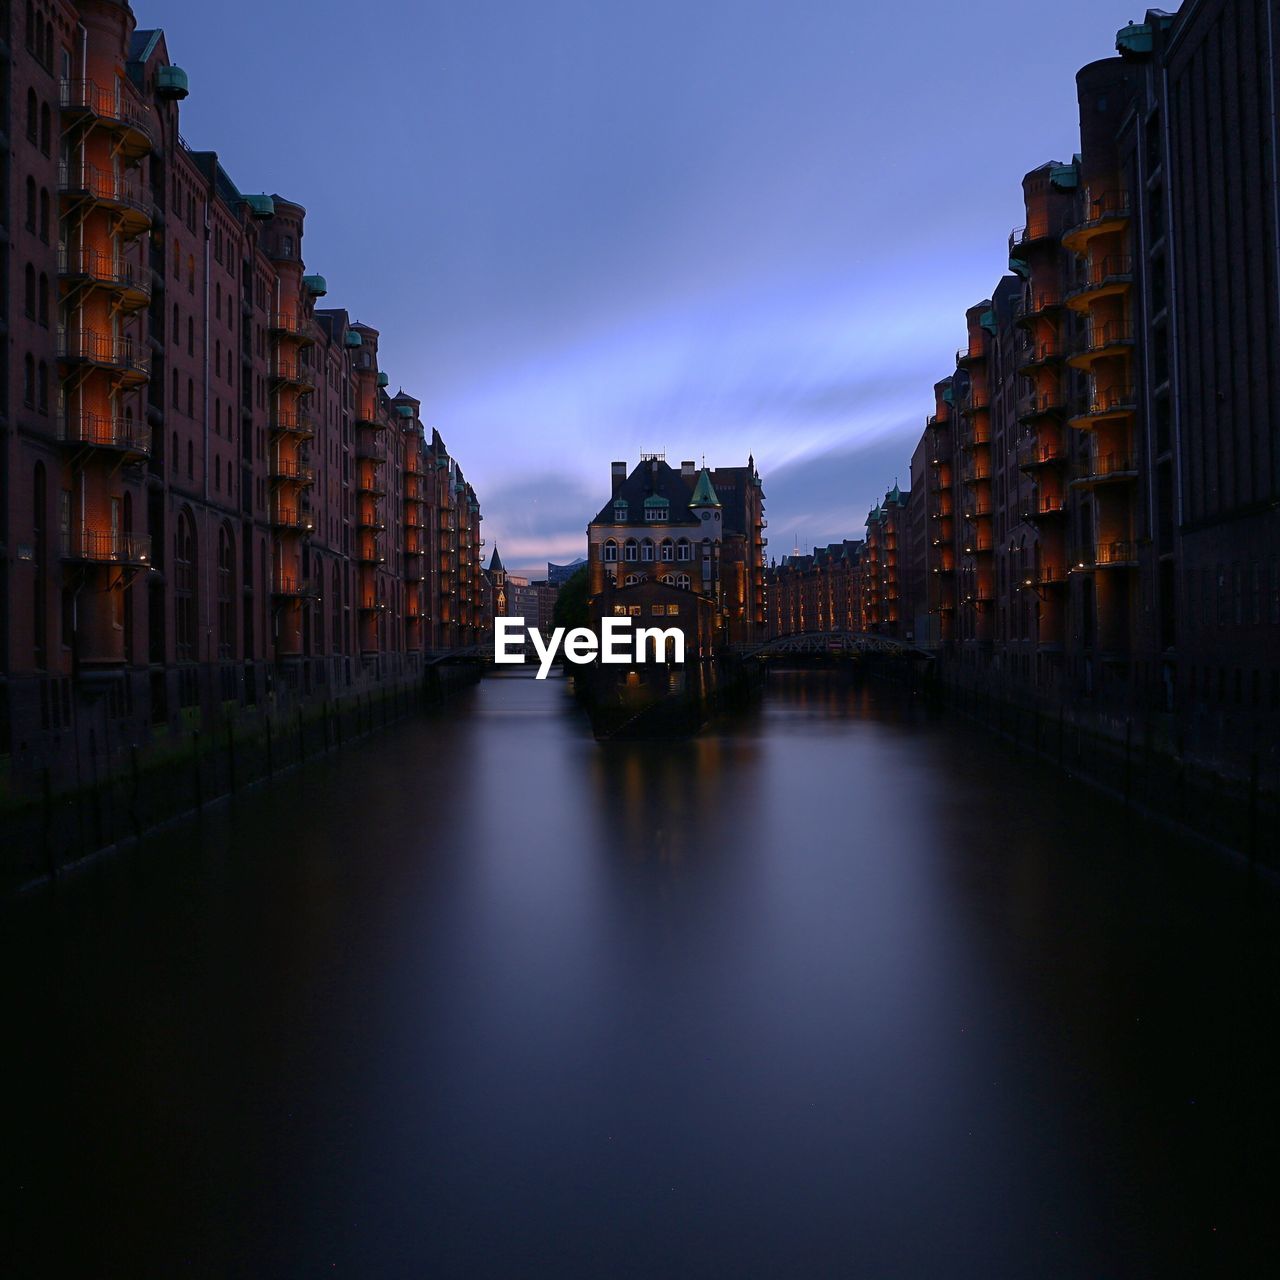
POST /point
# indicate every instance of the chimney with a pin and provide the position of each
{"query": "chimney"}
(686, 467)
(618, 470)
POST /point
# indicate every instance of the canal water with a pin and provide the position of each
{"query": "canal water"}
(837, 990)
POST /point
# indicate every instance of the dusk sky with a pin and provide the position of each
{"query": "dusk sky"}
(587, 228)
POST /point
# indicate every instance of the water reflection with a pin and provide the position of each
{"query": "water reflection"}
(836, 989)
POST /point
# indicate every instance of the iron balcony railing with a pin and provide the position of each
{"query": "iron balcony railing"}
(103, 268)
(1113, 333)
(101, 432)
(106, 546)
(1113, 554)
(294, 424)
(1032, 452)
(286, 516)
(1112, 269)
(288, 469)
(108, 103)
(291, 323)
(1103, 466)
(1110, 400)
(287, 584)
(82, 178)
(101, 349)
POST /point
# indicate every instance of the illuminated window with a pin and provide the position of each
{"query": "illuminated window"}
(633, 610)
(620, 610)
(658, 610)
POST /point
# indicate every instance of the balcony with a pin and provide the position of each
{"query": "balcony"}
(1109, 275)
(288, 371)
(111, 108)
(967, 356)
(371, 518)
(291, 324)
(1046, 575)
(1101, 214)
(1035, 304)
(371, 453)
(1103, 342)
(979, 435)
(119, 435)
(977, 511)
(1041, 404)
(369, 481)
(1022, 238)
(292, 518)
(106, 546)
(976, 472)
(1105, 468)
(298, 425)
(295, 587)
(1032, 355)
(1045, 506)
(88, 267)
(370, 553)
(103, 351)
(292, 471)
(1116, 555)
(1114, 402)
(1034, 453)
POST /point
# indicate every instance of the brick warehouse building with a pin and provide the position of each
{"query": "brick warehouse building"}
(1104, 461)
(210, 499)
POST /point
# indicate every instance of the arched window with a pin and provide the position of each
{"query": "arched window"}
(31, 205)
(682, 581)
(668, 550)
(646, 550)
(32, 135)
(226, 594)
(684, 551)
(217, 475)
(191, 460)
(176, 321)
(191, 398)
(191, 335)
(177, 258)
(632, 579)
(610, 551)
(42, 300)
(630, 550)
(174, 453)
(184, 587)
(42, 387)
(191, 273)
(669, 579)
(29, 381)
(44, 215)
(46, 129)
(29, 291)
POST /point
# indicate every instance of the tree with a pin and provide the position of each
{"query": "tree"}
(571, 602)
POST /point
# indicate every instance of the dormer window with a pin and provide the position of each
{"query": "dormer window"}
(656, 509)
(620, 512)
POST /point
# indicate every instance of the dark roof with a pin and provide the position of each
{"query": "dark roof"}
(495, 561)
(652, 477)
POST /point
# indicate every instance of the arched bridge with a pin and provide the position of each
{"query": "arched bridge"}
(815, 644)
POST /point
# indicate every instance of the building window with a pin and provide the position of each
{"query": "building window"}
(668, 550)
(31, 205)
(226, 593)
(646, 551)
(656, 514)
(42, 387)
(44, 216)
(630, 550)
(610, 552)
(43, 299)
(32, 135)
(684, 550)
(29, 292)
(633, 610)
(46, 129)
(620, 512)
(658, 610)
(29, 381)
(682, 581)
(184, 588)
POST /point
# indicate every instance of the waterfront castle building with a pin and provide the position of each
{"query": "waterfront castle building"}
(212, 501)
(694, 529)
